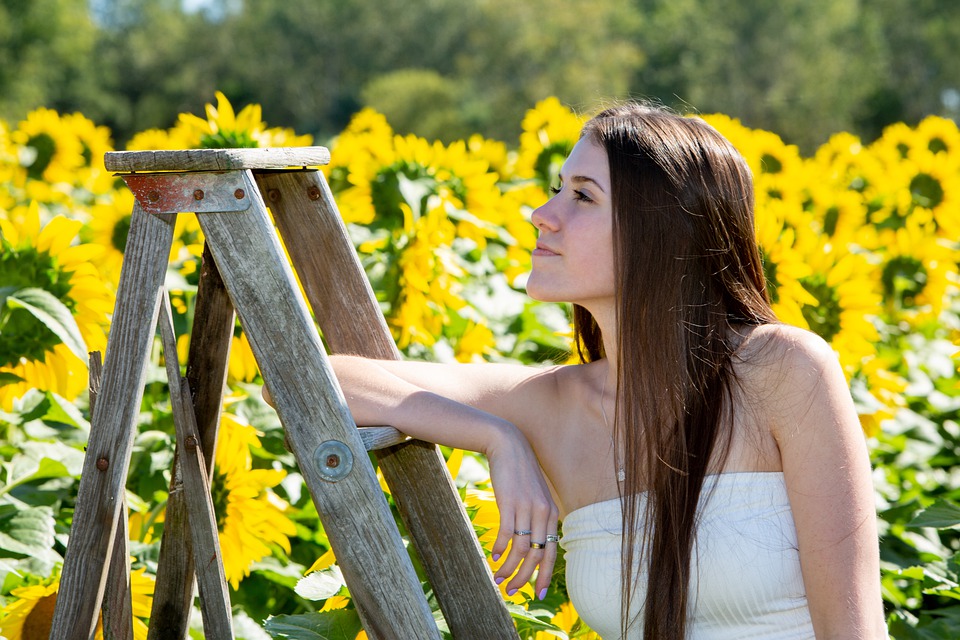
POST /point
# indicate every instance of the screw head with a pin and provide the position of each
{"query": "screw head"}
(103, 464)
(153, 196)
(313, 193)
(238, 194)
(198, 194)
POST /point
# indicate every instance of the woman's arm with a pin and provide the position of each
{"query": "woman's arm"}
(466, 407)
(827, 470)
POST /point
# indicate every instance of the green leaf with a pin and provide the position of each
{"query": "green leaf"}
(9, 378)
(26, 531)
(343, 624)
(942, 514)
(49, 310)
(25, 469)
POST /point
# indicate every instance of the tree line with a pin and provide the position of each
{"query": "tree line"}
(448, 68)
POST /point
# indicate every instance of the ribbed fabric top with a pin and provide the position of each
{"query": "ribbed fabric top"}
(746, 581)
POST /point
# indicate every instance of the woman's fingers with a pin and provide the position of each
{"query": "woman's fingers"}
(532, 547)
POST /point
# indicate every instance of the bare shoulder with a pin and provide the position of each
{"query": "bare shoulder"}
(794, 375)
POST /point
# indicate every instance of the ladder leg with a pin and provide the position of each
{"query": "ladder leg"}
(202, 521)
(339, 294)
(213, 323)
(328, 448)
(113, 426)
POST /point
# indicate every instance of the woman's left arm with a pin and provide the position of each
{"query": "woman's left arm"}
(827, 470)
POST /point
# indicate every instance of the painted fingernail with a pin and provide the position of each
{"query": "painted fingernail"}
(543, 593)
(499, 580)
(511, 592)
(496, 557)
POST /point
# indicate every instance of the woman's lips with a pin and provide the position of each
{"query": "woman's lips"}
(544, 250)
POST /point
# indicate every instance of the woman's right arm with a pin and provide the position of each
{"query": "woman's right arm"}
(472, 407)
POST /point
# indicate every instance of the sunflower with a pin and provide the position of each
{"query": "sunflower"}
(224, 128)
(109, 226)
(251, 518)
(50, 151)
(549, 131)
(431, 215)
(918, 272)
(61, 310)
(29, 614)
(567, 619)
(845, 285)
(783, 266)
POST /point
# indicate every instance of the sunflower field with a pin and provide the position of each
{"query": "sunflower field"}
(860, 244)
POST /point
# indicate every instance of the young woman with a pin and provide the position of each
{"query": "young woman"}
(707, 462)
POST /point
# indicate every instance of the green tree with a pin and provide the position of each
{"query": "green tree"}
(45, 55)
(801, 68)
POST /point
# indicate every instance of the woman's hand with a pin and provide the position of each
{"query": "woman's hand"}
(528, 514)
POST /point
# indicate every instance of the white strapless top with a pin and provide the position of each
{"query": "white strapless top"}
(746, 580)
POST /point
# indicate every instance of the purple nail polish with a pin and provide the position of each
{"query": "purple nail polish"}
(495, 557)
(511, 592)
(543, 593)
(498, 580)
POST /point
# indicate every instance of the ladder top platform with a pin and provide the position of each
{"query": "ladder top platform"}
(216, 159)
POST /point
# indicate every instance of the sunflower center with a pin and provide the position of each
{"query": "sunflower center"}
(120, 232)
(40, 619)
(823, 318)
(228, 140)
(220, 495)
(926, 190)
(24, 335)
(44, 146)
(770, 163)
(903, 279)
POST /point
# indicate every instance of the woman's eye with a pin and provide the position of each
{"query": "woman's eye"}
(554, 190)
(581, 196)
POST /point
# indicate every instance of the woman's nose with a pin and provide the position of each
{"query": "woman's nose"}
(544, 217)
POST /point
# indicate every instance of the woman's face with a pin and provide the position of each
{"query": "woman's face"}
(573, 261)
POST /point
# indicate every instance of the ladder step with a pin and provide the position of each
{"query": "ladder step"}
(376, 438)
(217, 159)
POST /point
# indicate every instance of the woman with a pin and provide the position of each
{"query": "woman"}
(711, 450)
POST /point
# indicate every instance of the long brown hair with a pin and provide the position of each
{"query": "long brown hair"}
(688, 276)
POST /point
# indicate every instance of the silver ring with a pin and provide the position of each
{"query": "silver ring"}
(537, 545)
(553, 538)
(521, 532)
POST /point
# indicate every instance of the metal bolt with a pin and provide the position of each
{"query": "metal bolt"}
(153, 196)
(198, 194)
(334, 460)
(238, 194)
(103, 464)
(313, 193)
(191, 442)
(274, 195)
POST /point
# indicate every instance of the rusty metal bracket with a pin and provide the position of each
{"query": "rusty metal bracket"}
(198, 191)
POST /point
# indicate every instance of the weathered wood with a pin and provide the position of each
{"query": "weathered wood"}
(202, 520)
(216, 159)
(117, 608)
(376, 438)
(339, 292)
(313, 412)
(113, 427)
(213, 323)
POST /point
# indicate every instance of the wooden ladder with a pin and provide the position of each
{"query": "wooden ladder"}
(244, 269)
